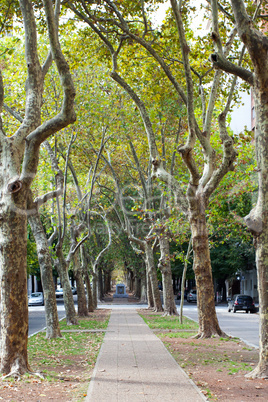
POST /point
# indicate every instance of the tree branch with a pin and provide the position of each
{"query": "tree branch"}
(34, 85)
(67, 114)
(222, 63)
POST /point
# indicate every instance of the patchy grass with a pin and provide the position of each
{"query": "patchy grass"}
(217, 365)
(84, 323)
(66, 363)
(157, 321)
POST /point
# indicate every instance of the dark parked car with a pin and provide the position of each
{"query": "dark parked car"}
(192, 296)
(179, 295)
(241, 302)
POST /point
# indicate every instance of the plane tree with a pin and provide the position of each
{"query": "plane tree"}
(251, 30)
(19, 162)
(124, 27)
(42, 245)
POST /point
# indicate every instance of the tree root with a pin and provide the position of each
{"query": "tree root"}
(18, 370)
(206, 335)
(258, 373)
(17, 375)
(157, 310)
(170, 313)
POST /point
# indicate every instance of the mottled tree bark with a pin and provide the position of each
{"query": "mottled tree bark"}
(62, 269)
(90, 306)
(256, 43)
(150, 267)
(95, 287)
(14, 314)
(143, 296)
(107, 280)
(137, 286)
(100, 284)
(44, 259)
(165, 268)
(84, 259)
(82, 310)
(257, 220)
(19, 160)
(149, 293)
(208, 321)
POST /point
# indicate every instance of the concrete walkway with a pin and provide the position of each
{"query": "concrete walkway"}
(133, 365)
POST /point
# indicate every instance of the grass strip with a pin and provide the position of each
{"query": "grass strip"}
(160, 322)
(216, 358)
(65, 362)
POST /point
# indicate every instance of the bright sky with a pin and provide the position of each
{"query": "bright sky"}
(160, 15)
(240, 116)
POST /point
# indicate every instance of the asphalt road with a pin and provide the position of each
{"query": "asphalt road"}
(241, 325)
(37, 319)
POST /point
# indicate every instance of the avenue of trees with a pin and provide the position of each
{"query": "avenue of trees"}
(117, 155)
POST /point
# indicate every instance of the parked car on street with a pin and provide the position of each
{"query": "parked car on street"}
(59, 292)
(179, 294)
(241, 302)
(74, 290)
(192, 296)
(36, 299)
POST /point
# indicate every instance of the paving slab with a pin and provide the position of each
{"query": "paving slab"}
(133, 365)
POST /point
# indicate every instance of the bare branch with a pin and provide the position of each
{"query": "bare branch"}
(67, 114)
(142, 178)
(34, 87)
(48, 60)
(58, 177)
(222, 63)
(13, 113)
(1, 102)
(73, 138)
(250, 36)
(172, 165)
(96, 262)
(187, 71)
(74, 249)
(215, 26)
(1, 92)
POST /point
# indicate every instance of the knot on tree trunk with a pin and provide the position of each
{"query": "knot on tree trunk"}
(15, 186)
(254, 222)
(213, 58)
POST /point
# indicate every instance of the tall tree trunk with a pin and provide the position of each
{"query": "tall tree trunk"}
(149, 292)
(137, 286)
(257, 222)
(165, 268)
(208, 321)
(82, 310)
(153, 277)
(67, 292)
(44, 259)
(183, 279)
(95, 286)
(100, 284)
(14, 302)
(143, 298)
(261, 371)
(84, 260)
(90, 306)
(106, 282)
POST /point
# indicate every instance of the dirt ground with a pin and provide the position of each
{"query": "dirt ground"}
(217, 366)
(66, 381)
